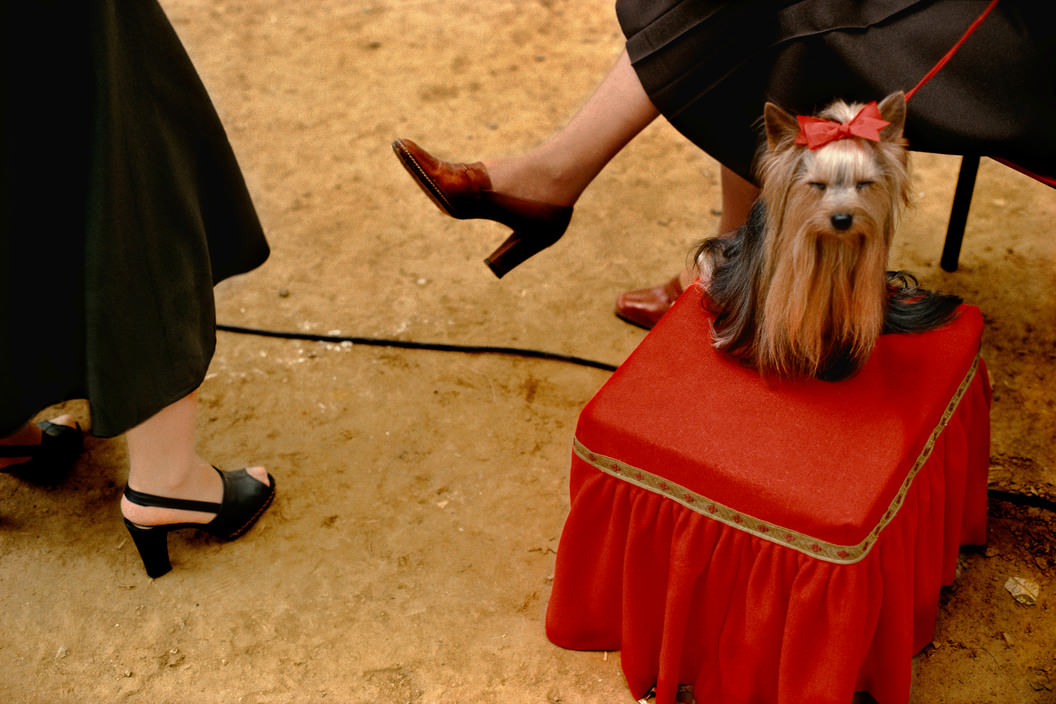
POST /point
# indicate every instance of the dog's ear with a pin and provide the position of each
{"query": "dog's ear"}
(893, 109)
(780, 126)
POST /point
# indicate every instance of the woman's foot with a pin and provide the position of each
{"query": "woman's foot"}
(43, 451)
(244, 496)
(171, 487)
(465, 191)
(645, 306)
(202, 484)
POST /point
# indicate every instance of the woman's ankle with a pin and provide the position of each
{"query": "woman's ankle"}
(176, 478)
(524, 177)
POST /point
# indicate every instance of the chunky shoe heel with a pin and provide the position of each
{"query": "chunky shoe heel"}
(464, 192)
(517, 248)
(153, 547)
(510, 254)
(245, 499)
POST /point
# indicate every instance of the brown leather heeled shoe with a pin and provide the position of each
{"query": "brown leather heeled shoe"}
(464, 191)
(645, 306)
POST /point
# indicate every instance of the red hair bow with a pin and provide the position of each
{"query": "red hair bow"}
(815, 132)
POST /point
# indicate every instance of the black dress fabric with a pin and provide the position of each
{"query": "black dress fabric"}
(121, 206)
(709, 67)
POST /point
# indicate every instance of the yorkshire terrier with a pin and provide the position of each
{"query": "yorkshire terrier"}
(802, 289)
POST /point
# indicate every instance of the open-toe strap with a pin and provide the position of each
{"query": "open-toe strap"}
(245, 498)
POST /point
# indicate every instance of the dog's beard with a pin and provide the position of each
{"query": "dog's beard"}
(822, 301)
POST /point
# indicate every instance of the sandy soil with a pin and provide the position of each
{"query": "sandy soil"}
(408, 556)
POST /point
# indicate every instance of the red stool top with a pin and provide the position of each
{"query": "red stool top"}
(818, 466)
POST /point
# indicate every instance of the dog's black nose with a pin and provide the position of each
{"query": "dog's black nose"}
(842, 221)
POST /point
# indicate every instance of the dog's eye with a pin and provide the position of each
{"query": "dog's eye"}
(817, 185)
(862, 185)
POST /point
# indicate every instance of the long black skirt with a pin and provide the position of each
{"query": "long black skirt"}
(709, 67)
(121, 205)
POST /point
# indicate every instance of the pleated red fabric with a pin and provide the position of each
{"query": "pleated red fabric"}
(772, 542)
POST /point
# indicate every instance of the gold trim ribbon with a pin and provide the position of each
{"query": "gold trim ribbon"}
(739, 520)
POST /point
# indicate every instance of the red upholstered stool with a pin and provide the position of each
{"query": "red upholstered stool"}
(772, 542)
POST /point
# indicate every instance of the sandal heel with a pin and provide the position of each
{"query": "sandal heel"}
(153, 547)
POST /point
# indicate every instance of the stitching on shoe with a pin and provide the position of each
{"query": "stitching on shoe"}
(245, 526)
(423, 176)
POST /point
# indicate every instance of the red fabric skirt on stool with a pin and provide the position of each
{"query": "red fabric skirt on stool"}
(771, 541)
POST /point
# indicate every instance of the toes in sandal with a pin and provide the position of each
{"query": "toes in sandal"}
(245, 499)
(51, 460)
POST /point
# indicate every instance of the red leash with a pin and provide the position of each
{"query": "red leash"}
(1049, 180)
(949, 54)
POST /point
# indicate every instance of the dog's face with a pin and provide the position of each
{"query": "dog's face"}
(847, 189)
(840, 192)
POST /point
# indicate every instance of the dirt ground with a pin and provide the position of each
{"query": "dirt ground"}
(421, 494)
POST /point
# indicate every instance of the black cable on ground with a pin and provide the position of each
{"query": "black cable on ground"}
(409, 345)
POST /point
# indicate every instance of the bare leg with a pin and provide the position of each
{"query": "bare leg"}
(30, 434)
(738, 195)
(163, 462)
(561, 168)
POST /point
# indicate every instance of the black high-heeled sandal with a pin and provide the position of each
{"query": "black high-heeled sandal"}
(245, 499)
(52, 459)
